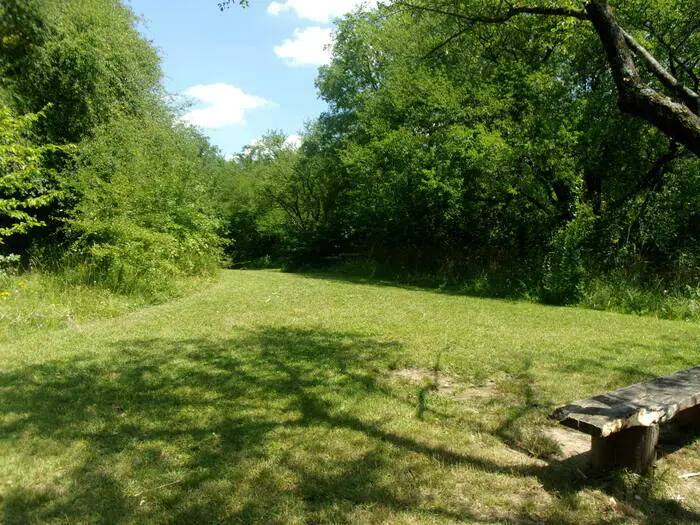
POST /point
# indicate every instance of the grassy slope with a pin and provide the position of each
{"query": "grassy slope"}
(269, 397)
(39, 301)
(35, 301)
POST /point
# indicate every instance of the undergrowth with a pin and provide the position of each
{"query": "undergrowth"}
(34, 300)
(679, 302)
(614, 292)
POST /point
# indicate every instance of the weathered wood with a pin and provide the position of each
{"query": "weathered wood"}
(641, 405)
(633, 448)
(689, 418)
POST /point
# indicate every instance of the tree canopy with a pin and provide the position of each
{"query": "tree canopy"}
(482, 138)
(669, 100)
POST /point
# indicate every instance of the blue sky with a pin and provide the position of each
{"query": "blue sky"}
(246, 70)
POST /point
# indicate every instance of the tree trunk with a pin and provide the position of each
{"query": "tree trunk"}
(635, 97)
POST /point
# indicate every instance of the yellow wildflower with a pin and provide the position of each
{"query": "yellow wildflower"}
(5, 295)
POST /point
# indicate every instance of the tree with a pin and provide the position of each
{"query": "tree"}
(144, 211)
(675, 109)
(82, 64)
(137, 200)
(671, 106)
(464, 139)
(84, 57)
(23, 181)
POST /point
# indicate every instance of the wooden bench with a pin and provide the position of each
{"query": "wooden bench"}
(624, 424)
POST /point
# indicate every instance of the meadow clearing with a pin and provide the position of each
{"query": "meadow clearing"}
(286, 398)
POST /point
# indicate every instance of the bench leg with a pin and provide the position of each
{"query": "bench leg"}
(689, 418)
(633, 448)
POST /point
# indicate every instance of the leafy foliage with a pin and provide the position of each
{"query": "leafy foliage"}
(25, 185)
(143, 211)
(83, 56)
(472, 150)
(139, 205)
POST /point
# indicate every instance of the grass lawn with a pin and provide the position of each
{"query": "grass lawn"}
(280, 398)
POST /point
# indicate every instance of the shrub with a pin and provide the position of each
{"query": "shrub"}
(144, 215)
(24, 183)
(564, 268)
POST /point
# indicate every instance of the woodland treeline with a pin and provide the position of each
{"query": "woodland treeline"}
(458, 144)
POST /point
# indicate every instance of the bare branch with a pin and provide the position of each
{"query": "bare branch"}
(444, 43)
(510, 13)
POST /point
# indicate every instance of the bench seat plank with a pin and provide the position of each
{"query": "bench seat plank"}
(644, 404)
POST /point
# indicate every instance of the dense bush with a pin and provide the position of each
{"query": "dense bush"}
(137, 203)
(143, 214)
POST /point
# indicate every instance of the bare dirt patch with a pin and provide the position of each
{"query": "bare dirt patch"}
(484, 392)
(446, 385)
(571, 443)
(553, 442)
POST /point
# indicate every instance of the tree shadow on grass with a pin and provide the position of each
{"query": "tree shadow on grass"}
(272, 425)
(566, 478)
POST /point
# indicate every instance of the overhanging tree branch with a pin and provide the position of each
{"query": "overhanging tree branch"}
(676, 120)
(510, 13)
(679, 121)
(687, 95)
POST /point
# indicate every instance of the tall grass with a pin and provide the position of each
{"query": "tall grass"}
(34, 301)
(615, 292)
(38, 300)
(621, 294)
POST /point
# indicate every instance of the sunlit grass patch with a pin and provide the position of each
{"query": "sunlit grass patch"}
(270, 397)
(35, 301)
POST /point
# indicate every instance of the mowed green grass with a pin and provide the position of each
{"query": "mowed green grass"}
(278, 398)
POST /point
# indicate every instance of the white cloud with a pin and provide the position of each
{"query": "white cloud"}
(318, 10)
(310, 46)
(293, 141)
(227, 106)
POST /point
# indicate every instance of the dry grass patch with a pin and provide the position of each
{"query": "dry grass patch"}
(444, 384)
